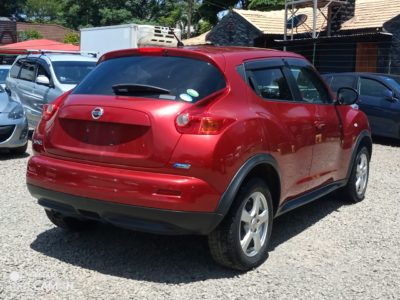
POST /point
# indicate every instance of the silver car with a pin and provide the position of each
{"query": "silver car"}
(4, 69)
(37, 79)
(13, 125)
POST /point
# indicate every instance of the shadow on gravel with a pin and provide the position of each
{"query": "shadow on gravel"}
(294, 222)
(7, 155)
(165, 259)
(133, 255)
(386, 141)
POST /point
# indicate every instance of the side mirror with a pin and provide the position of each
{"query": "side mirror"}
(8, 91)
(346, 96)
(389, 96)
(41, 79)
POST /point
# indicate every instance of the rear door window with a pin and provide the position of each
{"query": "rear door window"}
(16, 68)
(158, 77)
(28, 71)
(271, 84)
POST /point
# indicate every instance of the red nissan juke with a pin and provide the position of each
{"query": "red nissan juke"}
(202, 140)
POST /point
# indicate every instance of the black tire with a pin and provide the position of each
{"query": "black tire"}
(224, 241)
(350, 193)
(20, 150)
(68, 223)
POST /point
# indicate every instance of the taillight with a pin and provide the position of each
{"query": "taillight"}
(201, 124)
(196, 120)
(50, 109)
(48, 112)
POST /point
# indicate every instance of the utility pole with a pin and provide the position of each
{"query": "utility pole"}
(190, 13)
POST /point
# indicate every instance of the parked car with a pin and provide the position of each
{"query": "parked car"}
(213, 141)
(37, 79)
(4, 69)
(13, 125)
(379, 99)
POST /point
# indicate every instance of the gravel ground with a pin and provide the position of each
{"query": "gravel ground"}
(325, 250)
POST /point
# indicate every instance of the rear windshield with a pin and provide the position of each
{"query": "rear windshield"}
(169, 78)
(72, 72)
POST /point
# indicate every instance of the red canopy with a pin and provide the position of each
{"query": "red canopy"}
(37, 45)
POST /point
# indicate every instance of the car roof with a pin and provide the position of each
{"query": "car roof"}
(219, 55)
(61, 57)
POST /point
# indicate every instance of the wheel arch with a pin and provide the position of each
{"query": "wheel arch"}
(363, 140)
(263, 166)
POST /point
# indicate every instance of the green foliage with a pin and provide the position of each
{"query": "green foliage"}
(72, 38)
(9, 7)
(29, 35)
(110, 16)
(189, 15)
(266, 4)
(209, 9)
(42, 10)
(204, 26)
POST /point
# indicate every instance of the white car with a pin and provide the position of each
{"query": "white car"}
(37, 79)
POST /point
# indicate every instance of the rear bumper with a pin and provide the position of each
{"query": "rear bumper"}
(122, 186)
(127, 216)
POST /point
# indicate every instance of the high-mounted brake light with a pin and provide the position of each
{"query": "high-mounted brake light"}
(151, 50)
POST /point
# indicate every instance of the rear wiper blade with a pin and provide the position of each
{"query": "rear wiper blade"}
(137, 89)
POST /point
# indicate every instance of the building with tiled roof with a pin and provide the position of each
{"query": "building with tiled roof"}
(362, 35)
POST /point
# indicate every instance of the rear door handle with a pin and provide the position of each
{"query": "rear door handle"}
(319, 125)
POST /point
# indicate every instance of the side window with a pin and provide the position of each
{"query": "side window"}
(42, 71)
(271, 84)
(372, 88)
(312, 89)
(28, 71)
(342, 81)
(16, 68)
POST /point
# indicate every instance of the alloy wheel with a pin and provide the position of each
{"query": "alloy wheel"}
(254, 224)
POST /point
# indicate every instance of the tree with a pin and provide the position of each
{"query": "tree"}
(208, 10)
(10, 7)
(29, 35)
(72, 38)
(266, 4)
(42, 10)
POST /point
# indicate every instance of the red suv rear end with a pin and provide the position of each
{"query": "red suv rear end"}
(214, 141)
